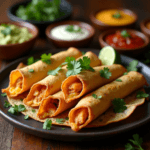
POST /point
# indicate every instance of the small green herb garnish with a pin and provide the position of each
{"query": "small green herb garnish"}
(83, 53)
(7, 104)
(67, 118)
(105, 73)
(4, 94)
(33, 110)
(31, 60)
(54, 72)
(31, 70)
(6, 31)
(46, 58)
(68, 60)
(117, 15)
(26, 117)
(97, 97)
(141, 94)
(60, 120)
(132, 66)
(119, 105)
(71, 28)
(125, 73)
(21, 99)
(16, 108)
(47, 124)
(63, 128)
(119, 80)
(125, 34)
(137, 141)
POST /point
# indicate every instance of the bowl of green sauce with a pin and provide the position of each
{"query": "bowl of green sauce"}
(16, 39)
(40, 12)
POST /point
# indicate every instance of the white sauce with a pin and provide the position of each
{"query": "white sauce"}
(60, 32)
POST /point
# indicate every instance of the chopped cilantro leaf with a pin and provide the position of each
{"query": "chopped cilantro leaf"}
(60, 120)
(63, 128)
(4, 94)
(31, 60)
(119, 105)
(125, 34)
(105, 73)
(96, 97)
(47, 124)
(46, 58)
(117, 15)
(132, 66)
(33, 110)
(26, 117)
(83, 53)
(54, 72)
(125, 73)
(31, 70)
(137, 141)
(141, 94)
(85, 63)
(7, 104)
(119, 80)
(71, 28)
(74, 68)
(16, 108)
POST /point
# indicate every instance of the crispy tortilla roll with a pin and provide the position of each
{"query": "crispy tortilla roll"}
(89, 108)
(52, 84)
(21, 79)
(53, 105)
(77, 85)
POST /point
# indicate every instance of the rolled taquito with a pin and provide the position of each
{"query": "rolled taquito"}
(52, 84)
(90, 107)
(76, 86)
(53, 105)
(22, 79)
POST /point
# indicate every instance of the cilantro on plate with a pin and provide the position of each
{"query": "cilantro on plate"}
(119, 105)
(105, 73)
(119, 80)
(4, 94)
(31, 60)
(16, 108)
(132, 66)
(141, 94)
(97, 97)
(54, 72)
(7, 104)
(60, 120)
(47, 124)
(31, 70)
(46, 58)
(137, 141)
(26, 117)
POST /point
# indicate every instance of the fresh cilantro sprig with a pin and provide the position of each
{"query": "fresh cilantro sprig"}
(125, 34)
(105, 73)
(119, 80)
(55, 71)
(137, 141)
(26, 117)
(47, 124)
(7, 104)
(75, 67)
(60, 120)
(71, 28)
(141, 94)
(132, 66)
(16, 108)
(31, 70)
(46, 58)
(31, 60)
(119, 105)
(97, 97)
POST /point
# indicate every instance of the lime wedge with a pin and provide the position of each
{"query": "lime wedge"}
(108, 55)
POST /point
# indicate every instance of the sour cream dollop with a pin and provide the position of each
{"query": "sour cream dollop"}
(61, 33)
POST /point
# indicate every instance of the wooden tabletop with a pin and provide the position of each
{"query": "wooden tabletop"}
(12, 138)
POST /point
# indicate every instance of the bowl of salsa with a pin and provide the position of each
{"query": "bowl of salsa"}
(125, 41)
(113, 18)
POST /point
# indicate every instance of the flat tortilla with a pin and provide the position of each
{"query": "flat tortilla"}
(106, 118)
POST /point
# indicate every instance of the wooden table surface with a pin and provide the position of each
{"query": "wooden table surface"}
(12, 138)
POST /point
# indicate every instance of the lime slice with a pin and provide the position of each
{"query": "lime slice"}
(108, 55)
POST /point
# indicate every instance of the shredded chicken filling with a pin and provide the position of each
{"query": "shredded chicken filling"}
(75, 89)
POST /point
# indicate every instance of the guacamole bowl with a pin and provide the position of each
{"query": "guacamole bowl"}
(11, 50)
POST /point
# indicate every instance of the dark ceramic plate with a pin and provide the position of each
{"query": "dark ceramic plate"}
(139, 117)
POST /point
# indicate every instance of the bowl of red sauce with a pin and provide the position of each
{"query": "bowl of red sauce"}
(125, 41)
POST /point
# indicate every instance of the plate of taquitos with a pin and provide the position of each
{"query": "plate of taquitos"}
(92, 131)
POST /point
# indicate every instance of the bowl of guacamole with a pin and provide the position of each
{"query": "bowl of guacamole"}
(16, 39)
